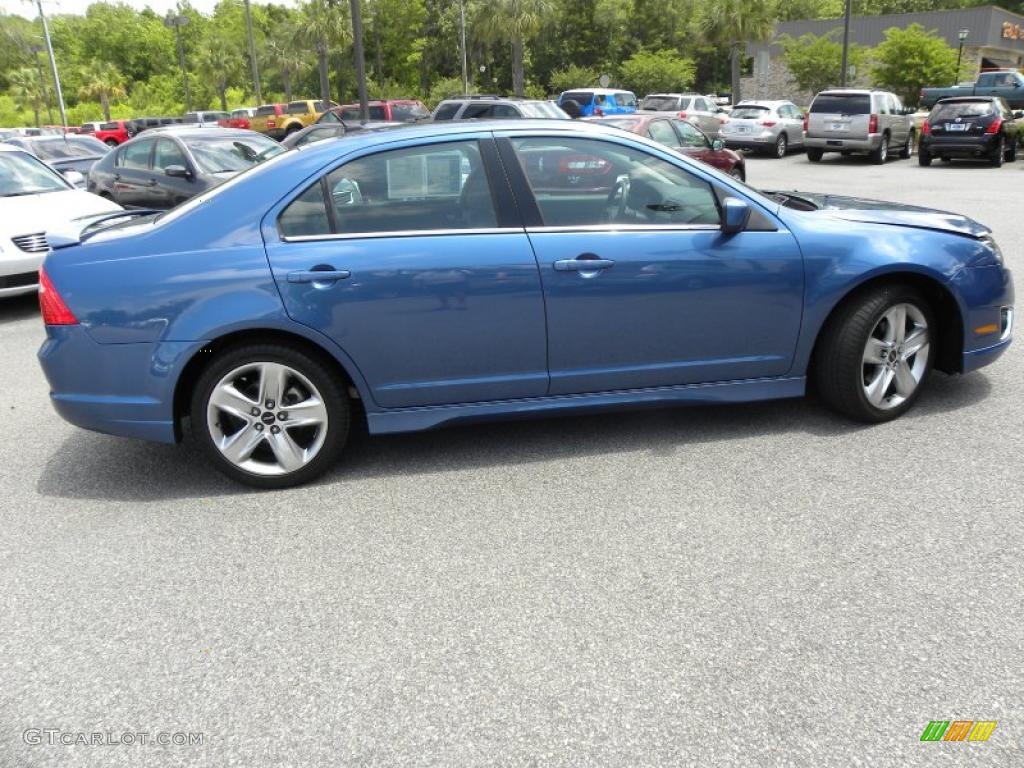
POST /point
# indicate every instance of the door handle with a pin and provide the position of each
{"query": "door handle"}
(318, 275)
(586, 262)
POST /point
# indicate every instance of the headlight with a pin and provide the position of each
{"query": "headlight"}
(990, 242)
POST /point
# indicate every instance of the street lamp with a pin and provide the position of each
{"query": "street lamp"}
(53, 68)
(962, 35)
(176, 23)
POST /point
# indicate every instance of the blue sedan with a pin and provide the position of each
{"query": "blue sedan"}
(438, 274)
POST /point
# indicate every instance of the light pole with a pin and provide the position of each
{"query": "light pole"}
(357, 49)
(462, 32)
(846, 43)
(36, 50)
(252, 53)
(962, 35)
(53, 67)
(177, 22)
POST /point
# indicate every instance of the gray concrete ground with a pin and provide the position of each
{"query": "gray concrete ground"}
(759, 585)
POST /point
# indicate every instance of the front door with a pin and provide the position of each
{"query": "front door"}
(641, 287)
(415, 262)
(168, 191)
(132, 173)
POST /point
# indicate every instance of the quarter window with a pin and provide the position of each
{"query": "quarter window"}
(447, 111)
(441, 186)
(584, 182)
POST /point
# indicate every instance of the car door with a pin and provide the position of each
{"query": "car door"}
(132, 173)
(429, 281)
(168, 191)
(793, 122)
(694, 143)
(641, 287)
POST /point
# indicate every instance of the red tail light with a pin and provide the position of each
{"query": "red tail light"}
(598, 111)
(873, 124)
(995, 126)
(926, 128)
(806, 119)
(767, 123)
(271, 122)
(682, 114)
(52, 306)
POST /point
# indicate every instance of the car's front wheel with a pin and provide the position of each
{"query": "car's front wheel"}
(875, 355)
(269, 416)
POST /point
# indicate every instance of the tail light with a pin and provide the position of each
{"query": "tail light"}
(995, 126)
(873, 124)
(271, 122)
(767, 123)
(52, 306)
(598, 111)
(806, 119)
(682, 115)
(926, 128)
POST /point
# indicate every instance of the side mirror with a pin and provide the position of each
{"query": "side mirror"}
(178, 171)
(718, 145)
(735, 215)
(74, 178)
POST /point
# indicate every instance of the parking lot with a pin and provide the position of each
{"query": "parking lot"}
(754, 585)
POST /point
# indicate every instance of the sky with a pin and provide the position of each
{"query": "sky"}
(27, 8)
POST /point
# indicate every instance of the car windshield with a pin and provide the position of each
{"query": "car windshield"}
(581, 97)
(625, 99)
(409, 112)
(748, 112)
(842, 104)
(624, 123)
(956, 109)
(660, 103)
(21, 174)
(232, 153)
(64, 149)
(541, 109)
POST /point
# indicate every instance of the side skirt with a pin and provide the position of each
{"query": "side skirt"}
(424, 417)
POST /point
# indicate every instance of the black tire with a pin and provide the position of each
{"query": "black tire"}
(111, 142)
(838, 365)
(924, 157)
(998, 153)
(907, 150)
(781, 145)
(1011, 153)
(880, 155)
(737, 173)
(332, 391)
(814, 154)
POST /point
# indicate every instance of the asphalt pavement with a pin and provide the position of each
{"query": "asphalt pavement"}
(754, 585)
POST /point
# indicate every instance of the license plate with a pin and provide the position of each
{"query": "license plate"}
(956, 127)
(839, 127)
(743, 128)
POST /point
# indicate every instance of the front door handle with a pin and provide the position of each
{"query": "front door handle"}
(318, 275)
(586, 262)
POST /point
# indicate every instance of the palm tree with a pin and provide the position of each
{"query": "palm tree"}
(323, 24)
(26, 88)
(101, 80)
(737, 22)
(220, 62)
(286, 56)
(515, 22)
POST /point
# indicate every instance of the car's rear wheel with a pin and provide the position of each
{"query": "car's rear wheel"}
(111, 142)
(874, 357)
(924, 157)
(881, 154)
(907, 150)
(998, 154)
(781, 145)
(1011, 151)
(814, 154)
(269, 416)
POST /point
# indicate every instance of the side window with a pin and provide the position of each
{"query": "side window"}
(435, 187)
(135, 155)
(504, 110)
(884, 104)
(588, 182)
(168, 153)
(690, 136)
(661, 131)
(297, 108)
(447, 111)
(332, 117)
(477, 110)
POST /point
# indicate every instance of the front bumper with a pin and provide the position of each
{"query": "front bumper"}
(118, 389)
(989, 315)
(836, 144)
(19, 271)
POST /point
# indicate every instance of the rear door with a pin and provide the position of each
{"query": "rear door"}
(430, 284)
(839, 115)
(132, 173)
(793, 122)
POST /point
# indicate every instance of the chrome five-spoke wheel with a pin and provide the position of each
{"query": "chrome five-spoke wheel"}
(895, 356)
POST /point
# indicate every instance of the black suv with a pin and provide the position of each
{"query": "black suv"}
(972, 127)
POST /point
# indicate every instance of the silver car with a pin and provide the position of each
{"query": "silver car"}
(692, 107)
(772, 127)
(858, 120)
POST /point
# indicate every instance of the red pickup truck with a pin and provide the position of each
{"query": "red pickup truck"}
(239, 118)
(113, 133)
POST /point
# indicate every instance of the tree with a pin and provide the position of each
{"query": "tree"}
(286, 56)
(323, 25)
(909, 59)
(815, 62)
(220, 63)
(735, 23)
(657, 71)
(515, 22)
(573, 77)
(26, 88)
(101, 80)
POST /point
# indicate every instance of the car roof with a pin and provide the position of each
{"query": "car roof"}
(195, 131)
(599, 90)
(762, 102)
(948, 99)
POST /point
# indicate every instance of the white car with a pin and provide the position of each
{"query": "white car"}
(33, 198)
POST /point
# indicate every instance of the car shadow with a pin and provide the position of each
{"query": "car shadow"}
(92, 466)
(19, 307)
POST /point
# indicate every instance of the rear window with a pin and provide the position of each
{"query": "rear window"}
(962, 109)
(267, 109)
(748, 112)
(842, 104)
(409, 112)
(581, 97)
(660, 103)
(447, 111)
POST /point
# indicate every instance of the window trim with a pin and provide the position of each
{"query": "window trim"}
(401, 233)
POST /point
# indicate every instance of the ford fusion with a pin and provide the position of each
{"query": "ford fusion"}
(443, 273)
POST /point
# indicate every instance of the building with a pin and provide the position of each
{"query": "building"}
(995, 38)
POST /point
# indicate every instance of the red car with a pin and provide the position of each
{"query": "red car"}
(115, 132)
(398, 110)
(683, 137)
(239, 118)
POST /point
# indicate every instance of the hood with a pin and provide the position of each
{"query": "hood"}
(882, 212)
(29, 214)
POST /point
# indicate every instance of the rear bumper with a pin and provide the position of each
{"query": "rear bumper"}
(748, 141)
(870, 144)
(118, 389)
(960, 146)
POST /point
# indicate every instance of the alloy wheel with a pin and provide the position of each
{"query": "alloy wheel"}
(780, 146)
(895, 356)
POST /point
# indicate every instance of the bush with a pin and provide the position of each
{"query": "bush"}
(816, 62)
(573, 77)
(909, 59)
(657, 71)
(444, 88)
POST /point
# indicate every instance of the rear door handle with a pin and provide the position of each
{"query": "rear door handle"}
(318, 275)
(582, 264)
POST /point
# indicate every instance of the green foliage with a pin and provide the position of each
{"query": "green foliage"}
(654, 71)
(815, 62)
(573, 77)
(443, 89)
(909, 59)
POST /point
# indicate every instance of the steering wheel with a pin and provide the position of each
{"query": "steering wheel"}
(615, 205)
